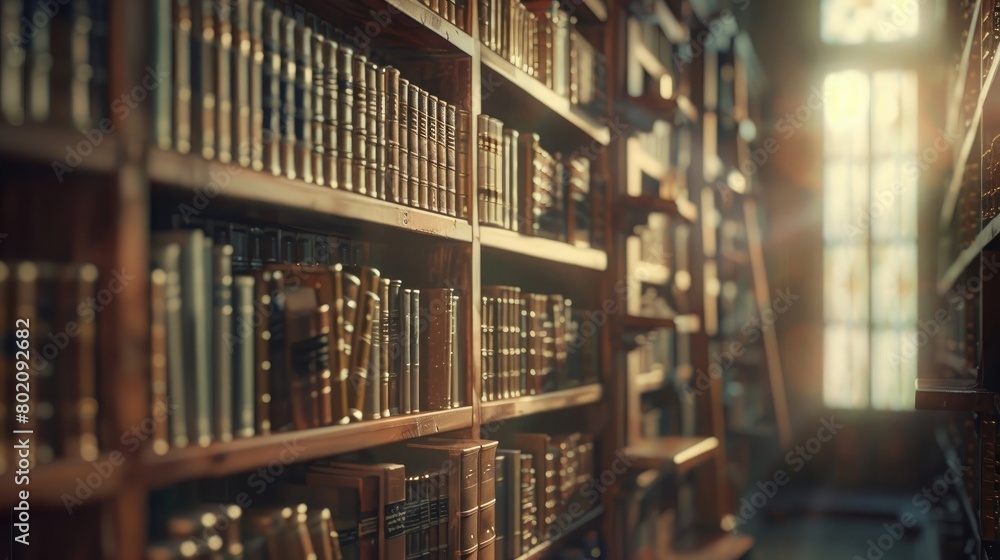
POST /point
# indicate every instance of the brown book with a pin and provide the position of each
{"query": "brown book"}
(339, 347)
(487, 492)
(344, 503)
(437, 307)
(373, 393)
(224, 82)
(403, 126)
(380, 162)
(304, 95)
(433, 181)
(371, 154)
(451, 161)
(317, 91)
(392, 501)
(392, 133)
(462, 163)
(385, 363)
(366, 487)
(181, 75)
(321, 531)
(483, 159)
(423, 144)
(415, 358)
(538, 446)
(265, 285)
(345, 117)
(270, 525)
(486, 364)
(462, 460)
(327, 112)
(414, 140)
(442, 156)
(359, 168)
(456, 362)
(406, 365)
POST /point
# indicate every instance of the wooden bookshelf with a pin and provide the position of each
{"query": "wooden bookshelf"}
(542, 96)
(240, 455)
(430, 21)
(636, 207)
(985, 239)
(672, 453)
(511, 242)
(47, 145)
(682, 323)
(518, 407)
(261, 195)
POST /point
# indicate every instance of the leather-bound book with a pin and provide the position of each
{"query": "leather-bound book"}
(166, 257)
(360, 354)
(395, 346)
(317, 91)
(414, 140)
(451, 159)
(359, 168)
(181, 71)
(331, 113)
(224, 84)
(345, 117)
(486, 492)
(437, 308)
(159, 401)
(257, 85)
(304, 96)
(392, 502)
(415, 357)
(385, 354)
(392, 133)
(222, 323)
(364, 487)
(442, 155)
(406, 364)
(403, 128)
(288, 106)
(241, 62)
(271, 100)
(243, 356)
(462, 162)
(204, 76)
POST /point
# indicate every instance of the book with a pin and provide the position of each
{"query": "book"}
(433, 181)
(271, 98)
(304, 96)
(462, 162)
(242, 56)
(442, 155)
(181, 70)
(360, 353)
(378, 165)
(288, 106)
(345, 117)
(372, 73)
(166, 257)
(204, 77)
(406, 339)
(437, 309)
(385, 351)
(451, 159)
(486, 491)
(222, 362)
(414, 335)
(241, 345)
(366, 487)
(394, 150)
(392, 500)
(159, 401)
(417, 178)
(162, 58)
(397, 335)
(509, 503)
(343, 286)
(224, 84)
(256, 96)
(325, 90)
(359, 168)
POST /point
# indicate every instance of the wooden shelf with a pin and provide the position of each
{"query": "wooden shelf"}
(423, 15)
(222, 459)
(970, 136)
(523, 406)
(49, 482)
(542, 249)
(47, 145)
(542, 550)
(934, 395)
(682, 323)
(631, 208)
(725, 546)
(543, 96)
(262, 195)
(643, 111)
(985, 239)
(672, 453)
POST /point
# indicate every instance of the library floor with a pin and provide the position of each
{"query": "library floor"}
(828, 537)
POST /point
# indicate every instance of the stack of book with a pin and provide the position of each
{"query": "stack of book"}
(534, 343)
(540, 38)
(545, 483)
(287, 339)
(286, 94)
(54, 65)
(524, 188)
(48, 359)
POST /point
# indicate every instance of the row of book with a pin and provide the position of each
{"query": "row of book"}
(524, 188)
(645, 33)
(289, 346)
(48, 359)
(453, 11)
(534, 343)
(446, 499)
(540, 38)
(282, 91)
(54, 62)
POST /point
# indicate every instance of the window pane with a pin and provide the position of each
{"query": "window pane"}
(894, 369)
(862, 21)
(845, 379)
(846, 284)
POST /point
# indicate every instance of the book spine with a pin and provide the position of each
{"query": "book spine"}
(271, 86)
(200, 286)
(451, 154)
(343, 288)
(425, 516)
(372, 74)
(222, 362)
(406, 374)
(393, 130)
(243, 356)
(436, 310)
(410, 524)
(240, 129)
(319, 99)
(162, 55)
(431, 141)
(360, 352)
(414, 143)
(373, 406)
(181, 69)
(331, 108)
(288, 103)
(453, 353)
(484, 345)
(345, 118)
(416, 373)
(462, 162)
(385, 363)
(207, 91)
(255, 96)
(159, 403)
(482, 158)
(359, 170)
(442, 156)
(423, 144)
(262, 353)
(167, 258)
(381, 134)
(224, 83)
(304, 95)
(395, 346)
